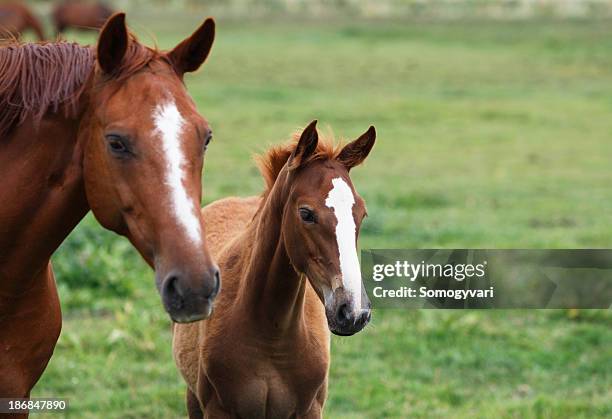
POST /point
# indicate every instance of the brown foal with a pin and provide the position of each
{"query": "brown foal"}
(111, 129)
(291, 274)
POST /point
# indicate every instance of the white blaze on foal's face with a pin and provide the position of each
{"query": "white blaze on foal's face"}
(341, 200)
(169, 127)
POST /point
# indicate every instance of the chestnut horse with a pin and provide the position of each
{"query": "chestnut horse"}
(291, 274)
(80, 15)
(15, 19)
(111, 129)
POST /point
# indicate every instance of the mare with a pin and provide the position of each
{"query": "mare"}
(110, 129)
(16, 18)
(291, 275)
(81, 15)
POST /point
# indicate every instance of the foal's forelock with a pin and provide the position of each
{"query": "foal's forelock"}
(169, 127)
(341, 199)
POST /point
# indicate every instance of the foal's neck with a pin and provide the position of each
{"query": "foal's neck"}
(273, 292)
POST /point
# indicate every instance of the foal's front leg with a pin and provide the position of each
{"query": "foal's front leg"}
(213, 410)
(193, 406)
(316, 411)
(210, 410)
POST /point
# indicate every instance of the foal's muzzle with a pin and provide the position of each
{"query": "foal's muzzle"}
(186, 302)
(343, 317)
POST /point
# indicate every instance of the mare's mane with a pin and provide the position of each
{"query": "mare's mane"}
(39, 77)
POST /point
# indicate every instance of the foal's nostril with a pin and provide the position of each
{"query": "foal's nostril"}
(343, 314)
(364, 318)
(172, 292)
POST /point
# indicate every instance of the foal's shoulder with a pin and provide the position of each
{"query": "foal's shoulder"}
(230, 213)
(225, 219)
(233, 205)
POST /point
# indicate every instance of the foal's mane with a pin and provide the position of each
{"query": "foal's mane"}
(40, 77)
(272, 161)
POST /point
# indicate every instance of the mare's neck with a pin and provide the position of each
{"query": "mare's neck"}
(45, 195)
(272, 291)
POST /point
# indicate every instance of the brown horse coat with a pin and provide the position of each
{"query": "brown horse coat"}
(79, 14)
(255, 370)
(265, 351)
(15, 19)
(111, 129)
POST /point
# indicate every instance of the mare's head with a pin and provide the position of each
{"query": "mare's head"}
(144, 148)
(320, 225)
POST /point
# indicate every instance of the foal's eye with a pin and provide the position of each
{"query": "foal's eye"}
(116, 144)
(307, 215)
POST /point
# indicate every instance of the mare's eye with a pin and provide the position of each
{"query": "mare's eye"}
(116, 144)
(307, 215)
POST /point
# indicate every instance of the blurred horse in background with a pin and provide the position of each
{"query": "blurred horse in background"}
(16, 18)
(81, 15)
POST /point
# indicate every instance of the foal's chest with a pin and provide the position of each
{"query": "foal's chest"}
(258, 383)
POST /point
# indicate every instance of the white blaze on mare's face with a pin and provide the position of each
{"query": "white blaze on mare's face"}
(341, 200)
(169, 126)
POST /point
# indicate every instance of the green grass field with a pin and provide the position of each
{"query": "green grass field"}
(490, 135)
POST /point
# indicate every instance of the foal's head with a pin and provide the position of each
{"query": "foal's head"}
(320, 225)
(145, 143)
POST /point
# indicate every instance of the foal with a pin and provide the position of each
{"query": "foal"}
(291, 274)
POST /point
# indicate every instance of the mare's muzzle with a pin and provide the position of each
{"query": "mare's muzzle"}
(186, 302)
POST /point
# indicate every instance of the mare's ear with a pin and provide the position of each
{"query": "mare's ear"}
(354, 153)
(190, 54)
(306, 145)
(112, 43)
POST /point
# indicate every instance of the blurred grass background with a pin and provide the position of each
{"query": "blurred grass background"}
(492, 133)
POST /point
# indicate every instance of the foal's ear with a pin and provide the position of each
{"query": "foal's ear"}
(354, 153)
(306, 145)
(112, 43)
(190, 54)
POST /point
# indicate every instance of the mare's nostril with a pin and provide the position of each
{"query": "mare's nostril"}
(216, 285)
(171, 290)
